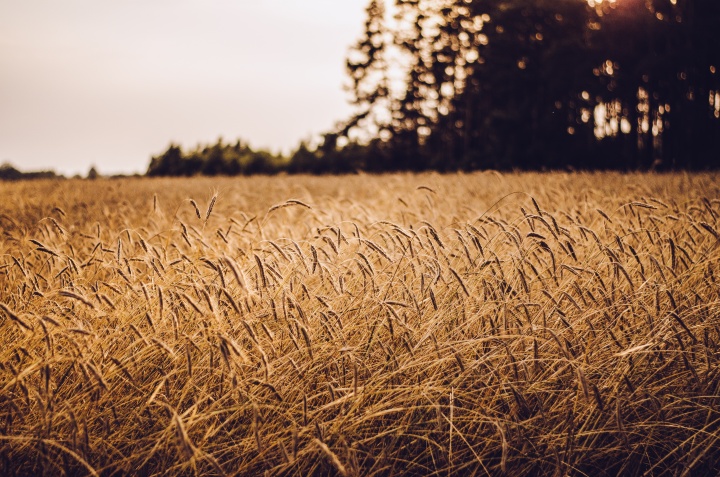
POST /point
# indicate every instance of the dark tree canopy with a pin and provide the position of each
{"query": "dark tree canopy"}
(630, 84)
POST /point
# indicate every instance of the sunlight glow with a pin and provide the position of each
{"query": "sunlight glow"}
(597, 3)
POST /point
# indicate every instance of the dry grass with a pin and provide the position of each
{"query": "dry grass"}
(421, 325)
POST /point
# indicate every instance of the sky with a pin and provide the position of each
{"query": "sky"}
(110, 83)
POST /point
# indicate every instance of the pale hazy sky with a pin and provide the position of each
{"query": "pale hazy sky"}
(110, 83)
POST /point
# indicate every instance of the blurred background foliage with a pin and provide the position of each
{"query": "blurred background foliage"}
(512, 84)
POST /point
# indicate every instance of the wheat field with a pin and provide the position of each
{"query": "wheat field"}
(476, 324)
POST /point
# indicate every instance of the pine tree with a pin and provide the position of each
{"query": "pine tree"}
(367, 67)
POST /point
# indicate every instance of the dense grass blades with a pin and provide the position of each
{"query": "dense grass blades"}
(530, 324)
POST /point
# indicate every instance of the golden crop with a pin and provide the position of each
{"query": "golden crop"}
(482, 324)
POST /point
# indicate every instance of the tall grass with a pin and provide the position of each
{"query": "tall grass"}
(418, 325)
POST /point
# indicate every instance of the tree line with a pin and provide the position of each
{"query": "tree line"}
(513, 84)
(212, 160)
(239, 158)
(8, 172)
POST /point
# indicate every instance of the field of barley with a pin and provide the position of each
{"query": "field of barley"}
(476, 324)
